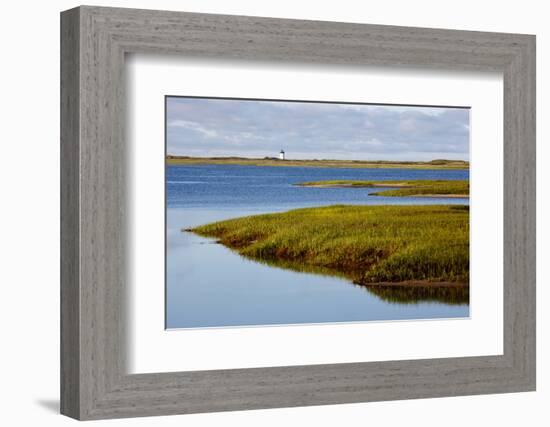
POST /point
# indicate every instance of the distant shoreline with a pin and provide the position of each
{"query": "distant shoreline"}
(326, 163)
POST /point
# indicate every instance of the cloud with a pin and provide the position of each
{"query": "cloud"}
(193, 126)
(206, 127)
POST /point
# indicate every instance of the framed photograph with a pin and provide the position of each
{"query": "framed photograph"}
(262, 213)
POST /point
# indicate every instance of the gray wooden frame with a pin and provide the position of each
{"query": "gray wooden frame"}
(94, 41)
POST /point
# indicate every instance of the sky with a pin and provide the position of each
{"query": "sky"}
(207, 127)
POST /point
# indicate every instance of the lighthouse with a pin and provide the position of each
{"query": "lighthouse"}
(282, 155)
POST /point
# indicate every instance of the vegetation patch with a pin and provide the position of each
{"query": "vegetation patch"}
(368, 245)
(411, 188)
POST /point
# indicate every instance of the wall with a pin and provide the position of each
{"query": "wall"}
(29, 226)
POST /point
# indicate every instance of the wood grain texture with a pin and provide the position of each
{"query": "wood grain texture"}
(70, 258)
(94, 235)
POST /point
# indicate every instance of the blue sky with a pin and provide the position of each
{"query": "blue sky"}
(218, 127)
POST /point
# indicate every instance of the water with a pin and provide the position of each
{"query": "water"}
(209, 285)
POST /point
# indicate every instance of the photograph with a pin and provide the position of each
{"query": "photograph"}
(282, 212)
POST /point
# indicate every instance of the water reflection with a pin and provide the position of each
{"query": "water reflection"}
(411, 293)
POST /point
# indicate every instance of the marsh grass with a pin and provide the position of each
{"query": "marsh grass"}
(402, 187)
(365, 244)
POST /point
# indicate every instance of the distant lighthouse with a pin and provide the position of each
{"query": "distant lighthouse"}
(282, 155)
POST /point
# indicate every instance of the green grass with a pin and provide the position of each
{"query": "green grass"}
(365, 244)
(434, 188)
(268, 161)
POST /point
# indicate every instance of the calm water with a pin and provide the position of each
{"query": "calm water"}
(209, 285)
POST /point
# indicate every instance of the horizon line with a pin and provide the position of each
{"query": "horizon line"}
(312, 159)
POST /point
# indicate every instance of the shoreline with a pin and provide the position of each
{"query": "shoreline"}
(321, 163)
